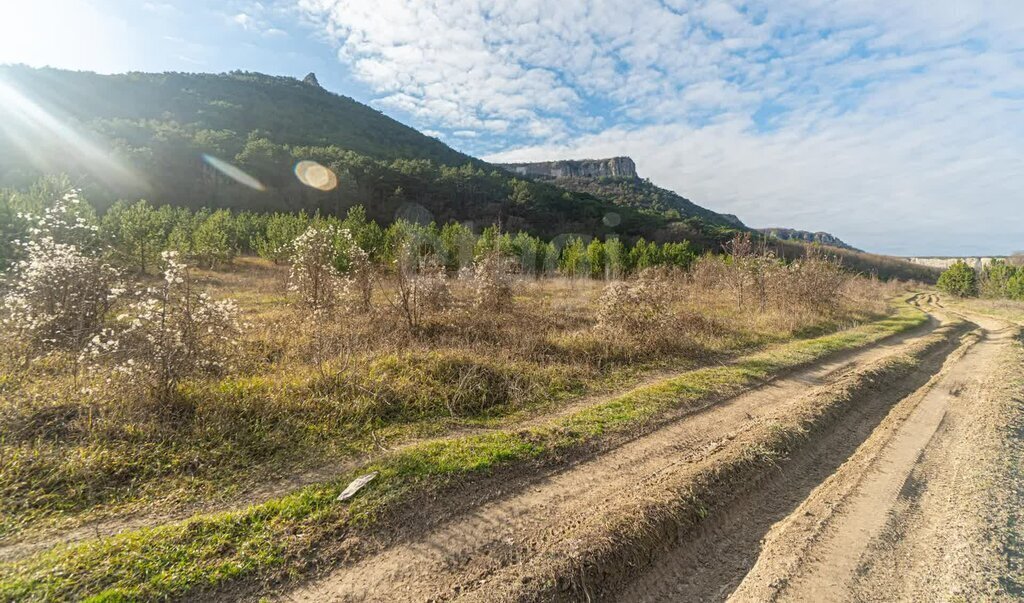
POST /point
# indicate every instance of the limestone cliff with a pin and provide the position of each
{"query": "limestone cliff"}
(615, 167)
(792, 234)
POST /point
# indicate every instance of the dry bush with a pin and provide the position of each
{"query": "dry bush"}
(638, 310)
(434, 291)
(360, 276)
(709, 272)
(752, 270)
(816, 281)
(492, 277)
(421, 287)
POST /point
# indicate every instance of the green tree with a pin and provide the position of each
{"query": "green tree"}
(596, 258)
(615, 258)
(643, 255)
(137, 232)
(678, 254)
(1015, 284)
(368, 234)
(574, 258)
(211, 241)
(458, 245)
(280, 231)
(960, 280)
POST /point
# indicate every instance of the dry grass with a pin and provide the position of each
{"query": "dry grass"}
(302, 389)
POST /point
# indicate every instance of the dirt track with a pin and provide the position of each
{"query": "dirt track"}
(922, 511)
(834, 498)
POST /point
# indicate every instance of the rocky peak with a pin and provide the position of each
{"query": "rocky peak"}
(311, 80)
(616, 167)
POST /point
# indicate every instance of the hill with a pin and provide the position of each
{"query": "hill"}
(792, 234)
(179, 138)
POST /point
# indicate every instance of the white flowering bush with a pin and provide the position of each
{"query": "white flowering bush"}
(68, 221)
(492, 279)
(172, 332)
(313, 277)
(56, 296)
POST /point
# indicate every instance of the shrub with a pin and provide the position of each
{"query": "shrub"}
(493, 282)
(433, 291)
(639, 308)
(960, 280)
(360, 276)
(172, 332)
(814, 281)
(59, 297)
(421, 284)
(313, 276)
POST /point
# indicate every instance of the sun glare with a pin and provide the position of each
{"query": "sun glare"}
(31, 127)
(233, 172)
(316, 176)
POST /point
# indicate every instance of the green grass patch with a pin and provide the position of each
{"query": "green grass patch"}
(272, 538)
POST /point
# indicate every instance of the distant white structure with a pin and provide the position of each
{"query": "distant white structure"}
(976, 262)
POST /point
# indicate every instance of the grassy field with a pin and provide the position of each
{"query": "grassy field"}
(465, 392)
(1006, 309)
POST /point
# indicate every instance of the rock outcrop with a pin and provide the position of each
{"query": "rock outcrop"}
(792, 234)
(615, 167)
(311, 80)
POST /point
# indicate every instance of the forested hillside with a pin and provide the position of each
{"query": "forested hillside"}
(165, 128)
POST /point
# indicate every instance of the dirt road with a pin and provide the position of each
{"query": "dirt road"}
(598, 530)
(926, 510)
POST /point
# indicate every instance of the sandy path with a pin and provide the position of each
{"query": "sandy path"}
(460, 556)
(906, 518)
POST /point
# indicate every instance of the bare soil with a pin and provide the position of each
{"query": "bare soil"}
(925, 510)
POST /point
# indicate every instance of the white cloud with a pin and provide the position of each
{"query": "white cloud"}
(878, 120)
(258, 18)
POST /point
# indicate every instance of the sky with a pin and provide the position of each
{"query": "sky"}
(897, 126)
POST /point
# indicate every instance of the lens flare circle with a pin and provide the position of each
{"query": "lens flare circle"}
(314, 175)
(233, 172)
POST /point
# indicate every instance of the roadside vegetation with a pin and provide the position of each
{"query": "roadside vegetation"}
(155, 358)
(1000, 279)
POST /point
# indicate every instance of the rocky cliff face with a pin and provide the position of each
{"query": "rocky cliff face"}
(791, 234)
(619, 167)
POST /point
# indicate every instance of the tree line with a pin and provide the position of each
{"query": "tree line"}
(135, 234)
(1000, 279)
